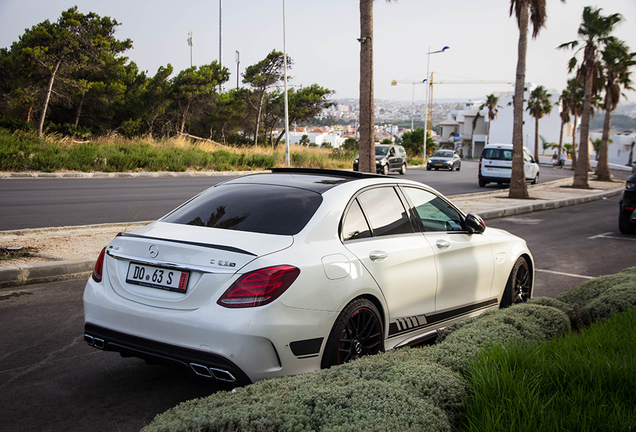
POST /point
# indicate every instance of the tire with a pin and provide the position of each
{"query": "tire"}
(535, 180)
(403, 169)
(357, 332)
(519, 285)
(428, 168)
(482, 183)
(624, 225)
(385, 169)
(458, 167)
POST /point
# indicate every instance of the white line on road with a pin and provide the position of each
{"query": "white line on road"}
(608, 236)
(564, 274)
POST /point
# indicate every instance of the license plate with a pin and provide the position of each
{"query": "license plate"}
(439, 164)
(157, 277)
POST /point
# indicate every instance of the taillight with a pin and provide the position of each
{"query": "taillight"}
(259, 287)
(99, 266)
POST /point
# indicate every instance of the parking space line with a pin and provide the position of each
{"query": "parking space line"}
(565, 274)
(608, 236)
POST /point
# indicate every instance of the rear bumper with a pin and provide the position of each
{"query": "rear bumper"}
(204, 364)
(232, 345)
(488, 179)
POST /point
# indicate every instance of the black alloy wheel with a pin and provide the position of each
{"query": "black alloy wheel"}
(385, 169)
(519, 286)
(356, 333)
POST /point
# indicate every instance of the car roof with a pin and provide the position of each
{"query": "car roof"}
(316, 180)
(506, 146)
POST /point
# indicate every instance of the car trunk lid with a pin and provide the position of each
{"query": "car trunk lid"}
(182, 266)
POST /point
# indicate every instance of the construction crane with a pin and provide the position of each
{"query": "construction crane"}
(431, 82)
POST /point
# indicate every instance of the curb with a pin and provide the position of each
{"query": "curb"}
(548, 205)
(25, 274)
(101, 175)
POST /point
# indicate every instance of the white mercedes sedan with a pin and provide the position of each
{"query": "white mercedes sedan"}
(278, 274)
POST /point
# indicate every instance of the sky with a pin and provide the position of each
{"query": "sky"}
(322, 39)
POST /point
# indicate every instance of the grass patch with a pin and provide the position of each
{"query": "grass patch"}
(24, 151)
(580, 382)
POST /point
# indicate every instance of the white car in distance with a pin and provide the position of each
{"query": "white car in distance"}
(278, 274)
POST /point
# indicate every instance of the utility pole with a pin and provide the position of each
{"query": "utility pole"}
(190, 43)
(221, 38)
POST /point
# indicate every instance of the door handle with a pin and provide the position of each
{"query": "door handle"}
(442, 244)
(378, 255)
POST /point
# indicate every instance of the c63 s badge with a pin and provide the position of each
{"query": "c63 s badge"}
(222, 263)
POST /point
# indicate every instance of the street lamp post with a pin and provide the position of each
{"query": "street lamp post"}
(286, 97)
(238, 62)
(428, 63)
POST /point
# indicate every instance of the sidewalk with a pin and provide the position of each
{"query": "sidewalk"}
(70, 252)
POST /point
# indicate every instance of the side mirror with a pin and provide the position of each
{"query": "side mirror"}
(475, 224)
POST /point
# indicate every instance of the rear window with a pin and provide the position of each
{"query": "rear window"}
(497, 154)
(265, 209)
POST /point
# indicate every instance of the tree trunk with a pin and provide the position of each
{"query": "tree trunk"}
(78, 112)
(574, 144)
(536, 139)
(258, 117)
(561, 141)
(488, 133)
(602, 165)
(47, 96)
(580, 175)
(367, 151)
(518, 187)
(630, 162)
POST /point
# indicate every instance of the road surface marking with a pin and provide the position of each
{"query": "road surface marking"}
(564, 274)
(608, 235)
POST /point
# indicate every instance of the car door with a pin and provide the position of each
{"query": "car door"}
(529, 166)
(464, 262)
(378, 231)
(394, 159)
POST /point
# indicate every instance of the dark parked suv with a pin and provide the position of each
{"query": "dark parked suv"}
(627, 215)
(387, 158)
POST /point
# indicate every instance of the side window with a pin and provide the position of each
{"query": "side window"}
(385, 212)
(355, 225)
(435, 213)
(526, 156)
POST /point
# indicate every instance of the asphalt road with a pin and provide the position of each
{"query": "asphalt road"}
(50, 380)
(40, 203)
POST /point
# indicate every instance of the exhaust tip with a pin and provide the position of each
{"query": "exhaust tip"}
(222, 375)
(201, 370)
(94, 342)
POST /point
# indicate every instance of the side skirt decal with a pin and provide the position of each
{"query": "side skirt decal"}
(410, 324)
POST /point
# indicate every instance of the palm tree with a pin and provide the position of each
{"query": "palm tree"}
(565, 99)
(594, 33)
(367, 120)
(525, 10)
(616, 60)
(539, 105)
(575, 106)
(491, 104)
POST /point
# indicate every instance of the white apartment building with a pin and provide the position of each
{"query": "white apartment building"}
(458, 128)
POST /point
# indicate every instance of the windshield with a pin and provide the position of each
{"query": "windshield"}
(381, 150)
(263, 209)
(497, 154)
(444, 154)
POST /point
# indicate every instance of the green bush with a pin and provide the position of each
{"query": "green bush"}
(601, 297)
(518, 324)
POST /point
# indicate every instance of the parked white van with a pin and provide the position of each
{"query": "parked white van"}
(495, 165)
